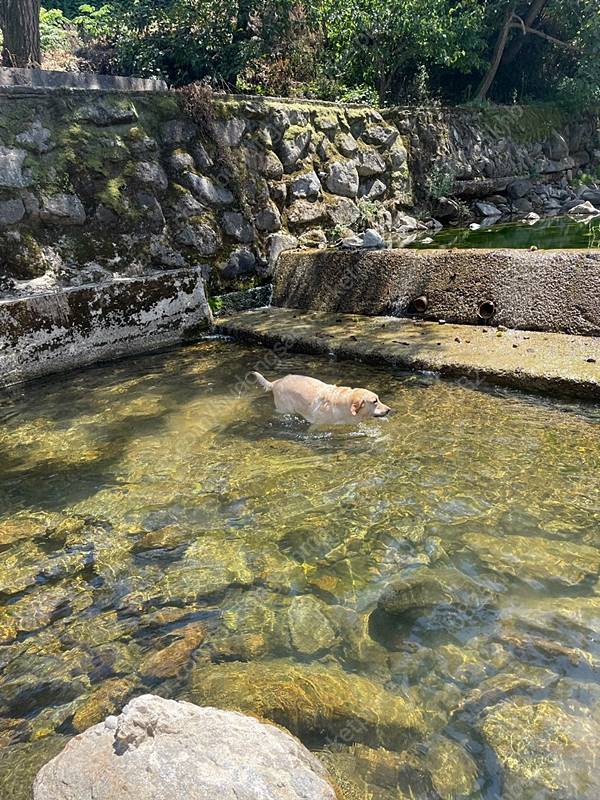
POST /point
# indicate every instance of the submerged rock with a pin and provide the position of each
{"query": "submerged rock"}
(430, 588)
(545, 753)
(101, 702)
(20, 763)
(310, 630)
(440, 770)
(209, 565)
(175, 657)
(162, 748)
(534, 559)
(310, 700)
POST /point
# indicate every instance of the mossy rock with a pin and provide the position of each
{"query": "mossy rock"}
(441, 770)
(544, 753)
(310, 701)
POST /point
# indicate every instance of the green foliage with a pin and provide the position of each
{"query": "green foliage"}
(440, 180)
(56, 31)
(372, 51)
(382, 43)
(216, 303)
(95, 23)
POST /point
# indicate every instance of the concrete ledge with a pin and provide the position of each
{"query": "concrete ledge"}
(53, 79)
(551, 363)
(547, 290)
(48, 333)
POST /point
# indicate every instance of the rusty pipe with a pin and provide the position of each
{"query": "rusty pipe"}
(420, 303)
(487, 309)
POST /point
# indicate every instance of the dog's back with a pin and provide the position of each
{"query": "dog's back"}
(320, 402)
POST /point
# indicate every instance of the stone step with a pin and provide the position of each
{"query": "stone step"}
(551, 363)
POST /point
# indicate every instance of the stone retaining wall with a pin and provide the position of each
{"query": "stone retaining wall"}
(74, 327)
(499, 159)
(542, 290)
(98, 183)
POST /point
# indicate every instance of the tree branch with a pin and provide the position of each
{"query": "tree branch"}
(513, 51)
(535, 32)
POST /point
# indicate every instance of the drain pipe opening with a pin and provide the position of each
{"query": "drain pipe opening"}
(420, 304)
(486, 309)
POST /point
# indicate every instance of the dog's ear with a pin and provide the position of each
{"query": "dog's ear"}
(356, 406)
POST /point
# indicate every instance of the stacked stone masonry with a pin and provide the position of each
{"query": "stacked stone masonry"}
(97, 184)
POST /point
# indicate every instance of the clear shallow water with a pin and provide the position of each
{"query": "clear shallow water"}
(547, 234)
(162, 530)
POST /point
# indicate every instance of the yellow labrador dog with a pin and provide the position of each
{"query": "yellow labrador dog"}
(321, 403)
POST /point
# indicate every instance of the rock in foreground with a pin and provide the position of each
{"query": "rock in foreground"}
(311, 700)
(173, 750)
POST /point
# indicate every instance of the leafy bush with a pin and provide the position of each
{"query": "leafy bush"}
(384, 51)
(56, 31)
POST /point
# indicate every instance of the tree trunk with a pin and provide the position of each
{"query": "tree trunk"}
(497, 56)
(20, 21)
(534, 12)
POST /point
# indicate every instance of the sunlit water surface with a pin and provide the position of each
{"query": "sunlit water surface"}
(160, 506)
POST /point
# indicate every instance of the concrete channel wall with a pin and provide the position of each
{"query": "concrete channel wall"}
(543, 290)
(12, 78)
(55, 332)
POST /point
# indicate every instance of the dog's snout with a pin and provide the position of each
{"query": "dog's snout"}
(382, 411)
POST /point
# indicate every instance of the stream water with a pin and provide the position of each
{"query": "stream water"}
(417, 598)
(547, 234)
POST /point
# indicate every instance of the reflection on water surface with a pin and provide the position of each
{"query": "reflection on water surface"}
(417, 598)
(550, 233)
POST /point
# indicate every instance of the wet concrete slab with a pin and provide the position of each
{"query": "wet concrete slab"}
(75, 327)
(552, 363)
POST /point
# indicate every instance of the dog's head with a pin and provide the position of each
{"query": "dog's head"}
(366, 404)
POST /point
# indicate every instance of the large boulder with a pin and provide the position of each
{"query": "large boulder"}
(310, 700)
(159, 748)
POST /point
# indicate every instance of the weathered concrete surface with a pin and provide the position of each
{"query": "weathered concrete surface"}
(553, 363)
(56, 79)
(547, 290)
(72, 328)
(159, 748)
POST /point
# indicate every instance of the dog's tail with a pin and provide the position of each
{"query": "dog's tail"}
(262, 381)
